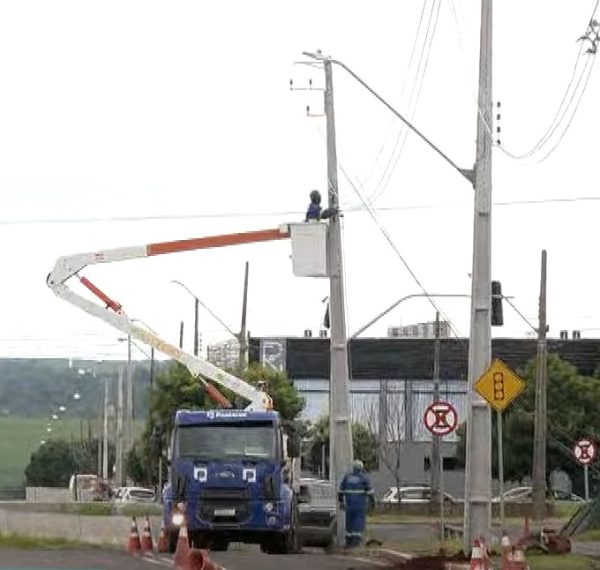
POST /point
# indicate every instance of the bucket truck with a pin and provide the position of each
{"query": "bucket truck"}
(232, 472)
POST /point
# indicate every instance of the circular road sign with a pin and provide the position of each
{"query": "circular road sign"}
(585, 451)
(440, 418)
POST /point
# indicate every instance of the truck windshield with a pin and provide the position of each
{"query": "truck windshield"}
(227, 441)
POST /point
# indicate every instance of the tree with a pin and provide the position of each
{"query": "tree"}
(54, 462)
(572, 403)
(178, 389)
(363, 443)
(387, 446)
(51, 465)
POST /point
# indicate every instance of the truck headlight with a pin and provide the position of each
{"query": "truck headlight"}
(178, 519)
(269, 507)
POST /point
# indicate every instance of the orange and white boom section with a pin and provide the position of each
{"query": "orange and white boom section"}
(113, 314)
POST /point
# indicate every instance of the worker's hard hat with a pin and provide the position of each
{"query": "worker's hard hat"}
(358, 465)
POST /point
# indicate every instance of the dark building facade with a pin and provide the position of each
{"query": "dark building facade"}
(391, 385)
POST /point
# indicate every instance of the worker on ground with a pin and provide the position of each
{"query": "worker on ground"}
(356, 496)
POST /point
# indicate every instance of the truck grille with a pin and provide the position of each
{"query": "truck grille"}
(224, 505)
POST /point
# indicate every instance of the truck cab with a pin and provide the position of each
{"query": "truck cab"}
(231, 480)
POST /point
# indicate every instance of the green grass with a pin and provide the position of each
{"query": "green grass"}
(19, 542)
(561, 562)
(588, 536)
(536, 561)
(20, 437)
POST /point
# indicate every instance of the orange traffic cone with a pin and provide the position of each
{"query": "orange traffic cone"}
(134, 545)
(199, 560)
(163, 543)
(181, 558)
(147, 545)
(478, 558)
(506, 551)
(518, 561)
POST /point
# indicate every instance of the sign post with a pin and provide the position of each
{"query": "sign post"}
(585, 452)
(499, 386)
(441, 419)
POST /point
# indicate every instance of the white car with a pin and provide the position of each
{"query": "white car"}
(134, 495)
(412, 495)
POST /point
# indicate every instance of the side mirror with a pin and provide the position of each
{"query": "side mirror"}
(294, 444)
(304, 495)
(179, 487)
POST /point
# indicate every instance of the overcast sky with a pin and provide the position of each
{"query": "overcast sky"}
(162, 109)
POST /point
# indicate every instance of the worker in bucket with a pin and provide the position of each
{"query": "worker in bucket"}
(315, 212)
(314, 208)
(356, 497)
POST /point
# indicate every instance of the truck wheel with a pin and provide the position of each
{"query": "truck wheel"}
(291, 539)
(173, 536)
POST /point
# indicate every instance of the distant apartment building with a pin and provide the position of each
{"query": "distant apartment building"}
(420, 330)
(224, 354)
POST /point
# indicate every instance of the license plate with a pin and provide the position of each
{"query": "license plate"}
(224, 512)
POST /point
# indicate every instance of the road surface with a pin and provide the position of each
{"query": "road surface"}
(234, 560)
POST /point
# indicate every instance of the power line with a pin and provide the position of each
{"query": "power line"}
(389, 239)
(403, 134)
(559, 117)
(554, 123)
(587, 79)
(274, 213)
(410, 63)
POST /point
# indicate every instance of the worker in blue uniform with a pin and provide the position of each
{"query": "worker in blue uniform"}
(314, 208)
(356, 496)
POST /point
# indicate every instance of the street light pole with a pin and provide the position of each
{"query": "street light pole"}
(340, 433)
(477, 517)
(195, 326)
(243, 338)
(401, 300)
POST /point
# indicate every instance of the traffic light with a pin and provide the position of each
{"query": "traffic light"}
(497, 317)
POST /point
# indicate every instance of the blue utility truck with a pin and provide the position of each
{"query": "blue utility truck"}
(232, 480)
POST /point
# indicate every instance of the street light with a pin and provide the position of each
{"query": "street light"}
(401, 300)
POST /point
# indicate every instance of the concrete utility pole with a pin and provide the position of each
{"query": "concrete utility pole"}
(243, 338)
(181, 335)
(340, 434)
(478, 453)
(196, 332)
(539, 437)
(105, 433)
(129, 399)
(119, 462)
(435, 441)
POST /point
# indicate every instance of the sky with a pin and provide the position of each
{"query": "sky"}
(181, 114)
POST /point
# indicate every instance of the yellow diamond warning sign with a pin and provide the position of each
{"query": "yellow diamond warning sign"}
(499, 385)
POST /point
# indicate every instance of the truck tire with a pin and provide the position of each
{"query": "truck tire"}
(173, 536)
(290, 542)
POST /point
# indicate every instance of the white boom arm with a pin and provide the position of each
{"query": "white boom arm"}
(114, 315)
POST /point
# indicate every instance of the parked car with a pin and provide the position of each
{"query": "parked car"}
(134, 495)
(525, 495)
(412, 495)
(317, 502)
(560, 495)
